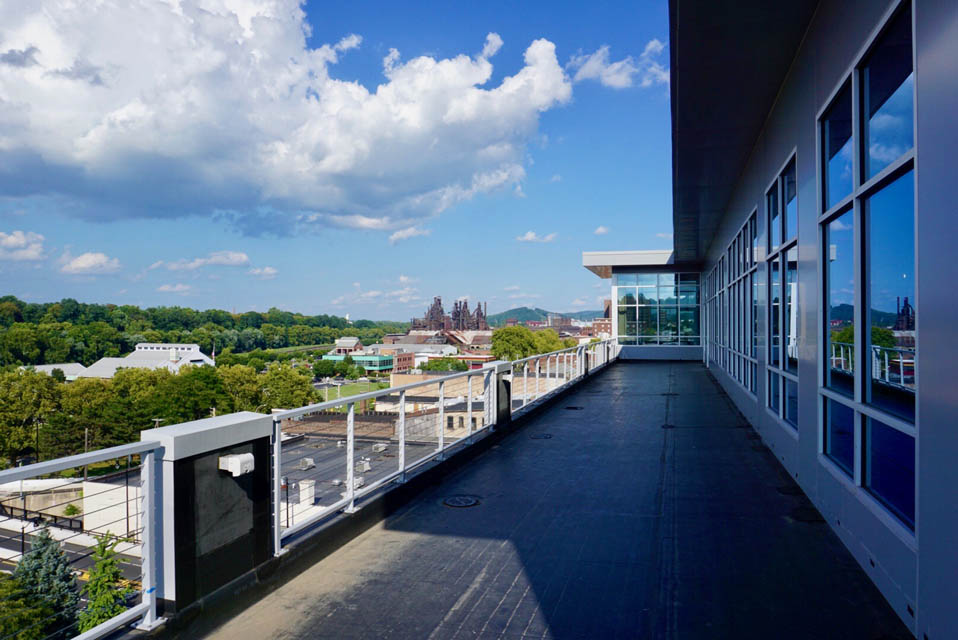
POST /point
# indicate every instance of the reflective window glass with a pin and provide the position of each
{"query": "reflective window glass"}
(626, 296)
(890, 468)
(755, 294)
(840, 278)
(773, 392)
(774, 224)
(791, 310)
(791, 202)
(668, 325)
(647, 280)
(791, 402)
(837, 147)
(774, 307)
(840, 435)
(624, 279)
(891, 361)
(888, 94)
(689, 321)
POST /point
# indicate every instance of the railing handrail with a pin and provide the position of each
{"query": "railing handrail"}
(372, 395)
(79, 460)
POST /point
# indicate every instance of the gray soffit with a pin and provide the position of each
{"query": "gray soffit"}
(728, 61)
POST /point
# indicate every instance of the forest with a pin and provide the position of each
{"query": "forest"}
(71, 331)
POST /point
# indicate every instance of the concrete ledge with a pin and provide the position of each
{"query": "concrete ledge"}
(312, 545)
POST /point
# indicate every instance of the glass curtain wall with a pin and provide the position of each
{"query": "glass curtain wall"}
(870, 359)
(781, 203)
(657, 308)
(731, 305)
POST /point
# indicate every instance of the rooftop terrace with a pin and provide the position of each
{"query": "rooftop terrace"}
(652, 511)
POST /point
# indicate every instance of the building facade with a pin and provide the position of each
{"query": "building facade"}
(813, 208)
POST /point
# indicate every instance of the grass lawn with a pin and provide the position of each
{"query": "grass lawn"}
(306, 347)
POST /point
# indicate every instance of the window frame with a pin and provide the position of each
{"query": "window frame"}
(862, 190)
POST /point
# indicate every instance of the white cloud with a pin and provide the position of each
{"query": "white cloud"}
(174, 288)
(555, 178)
(512, 287)
(218, 258)
(408, 232)
(621, 74)
(231, 113)
(21, 245)
(665, 236)
(264, 273)
(532, 236)
(404, 279)
(89, 263)
(601, 230)
(579, 302)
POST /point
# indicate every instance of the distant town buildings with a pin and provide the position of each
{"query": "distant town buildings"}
(462, 319)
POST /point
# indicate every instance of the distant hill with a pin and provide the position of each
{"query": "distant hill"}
(525, 314)
(846, 313)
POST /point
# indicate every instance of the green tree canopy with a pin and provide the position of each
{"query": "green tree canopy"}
(44, 573)
(513, 343)
(444, 364)
(105, 592)
(22, 617)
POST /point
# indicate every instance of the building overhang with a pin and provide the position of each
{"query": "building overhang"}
(728, 62)
(602, 263)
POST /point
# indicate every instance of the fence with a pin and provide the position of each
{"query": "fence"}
(324, 463)
(53, 520)
(893, 366)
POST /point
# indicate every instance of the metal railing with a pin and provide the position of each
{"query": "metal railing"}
(41, 505)
(894, 366)
(324, 462)
(327, 461)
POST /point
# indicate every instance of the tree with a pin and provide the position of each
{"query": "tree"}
(106, 594)
(355, 372)
(243, 386)
(58, 375)
(27, 399)
(341, 368)
(512, 343)
(256, 364)
(21, 616)
(547, 341)
(44, 574)
(881, 337)
(324, 368)
(287, 388)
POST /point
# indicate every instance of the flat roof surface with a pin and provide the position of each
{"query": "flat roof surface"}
(612, 528)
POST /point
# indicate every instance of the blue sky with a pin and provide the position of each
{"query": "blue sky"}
(212, 158)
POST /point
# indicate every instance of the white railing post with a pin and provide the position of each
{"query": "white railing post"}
(885, 354)
(402, 436)
(442, 416)
(350, 463)
(150, 505)
(469, 405)
(525, 383)
(548, 374)
(538, 375)
(277, 487)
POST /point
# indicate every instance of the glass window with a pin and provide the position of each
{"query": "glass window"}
(840, 435)
(887, 96)
(837, 146)
(668, 325)
(791, 310)
(667, 294)
(626, 296)
(773, 392)
(647, 280)
(753, 378)
(647, 327)
(625, 279)
(774, 307)
(791, 402)
(689, 321)
(755, 293)
(688, 293)
(890, 468)
(774, 224)
(840, 280)
(890, 221)
(791, 202)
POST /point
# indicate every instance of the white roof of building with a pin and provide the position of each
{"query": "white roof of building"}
(106, 367)
(184, 346)
(347, 341)
(68, 368)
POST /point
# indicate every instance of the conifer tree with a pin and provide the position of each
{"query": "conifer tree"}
(44, 574)
(105, 594)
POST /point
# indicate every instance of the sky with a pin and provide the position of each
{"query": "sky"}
(338, 158)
